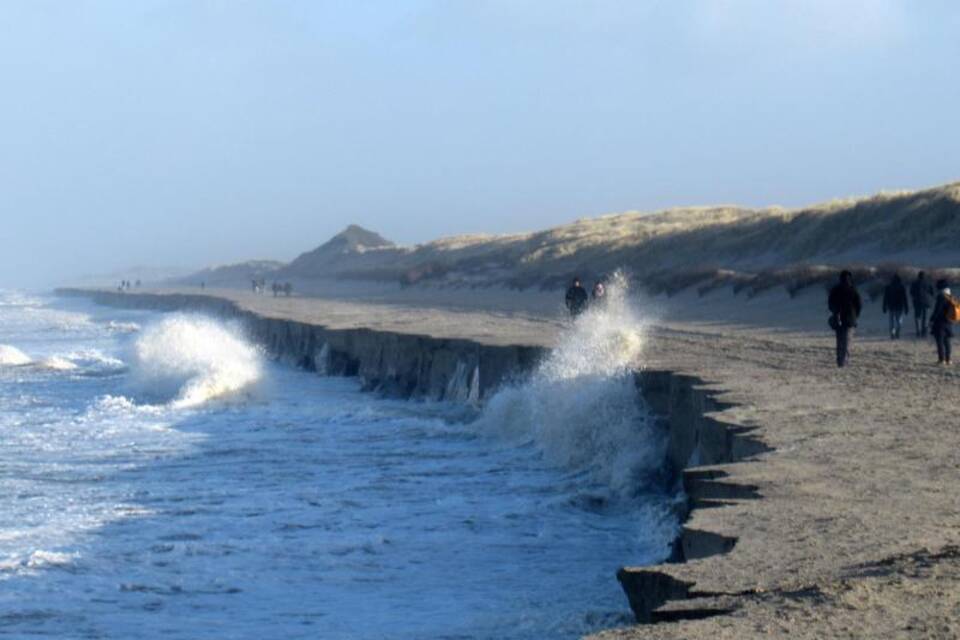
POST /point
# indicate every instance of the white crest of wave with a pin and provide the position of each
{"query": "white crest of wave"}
(581, 407)
(39, 559)
(58, 363)
(12, 357)
(95, 359)
(191, 359)
(122, 327)
(10, 298)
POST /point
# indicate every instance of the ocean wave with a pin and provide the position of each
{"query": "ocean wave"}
(96, 360)
(90, 361)
(187, 360)
(57, 363)
(10, 356)
(115, 326)
(36, 560)
(581, 407)
(18, 299)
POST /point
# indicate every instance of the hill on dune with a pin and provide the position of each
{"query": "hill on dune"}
(353, 246)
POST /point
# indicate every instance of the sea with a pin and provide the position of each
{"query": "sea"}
(162, 477)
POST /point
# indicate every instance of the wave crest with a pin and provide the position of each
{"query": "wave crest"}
(58, 363)
(12, 357)
(581, 407)
(188, 360)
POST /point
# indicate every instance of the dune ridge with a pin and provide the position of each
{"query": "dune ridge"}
(668, 251)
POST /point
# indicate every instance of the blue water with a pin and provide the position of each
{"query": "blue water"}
(159, 477)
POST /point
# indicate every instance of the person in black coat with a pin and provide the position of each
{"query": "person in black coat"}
(845, 306)
(922, 294)
(940, 327)
(576, 298)
(895, 304)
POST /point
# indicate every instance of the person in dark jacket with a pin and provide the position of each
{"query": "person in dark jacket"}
(845, 305)
(895, 305)
(922, 294)
(576, 298)
(939, 325)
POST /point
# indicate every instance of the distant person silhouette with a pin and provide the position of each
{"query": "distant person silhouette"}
(940, 326)
(921, 291)
(845, 306)
(576, 298)
(895, 305)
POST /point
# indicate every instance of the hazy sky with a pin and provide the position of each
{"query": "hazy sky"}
(205, 131)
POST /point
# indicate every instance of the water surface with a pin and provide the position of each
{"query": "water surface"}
(160, 478)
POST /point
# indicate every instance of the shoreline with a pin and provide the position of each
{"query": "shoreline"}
(843, 486)
(419, 366)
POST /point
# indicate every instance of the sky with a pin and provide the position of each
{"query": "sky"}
(197, 132)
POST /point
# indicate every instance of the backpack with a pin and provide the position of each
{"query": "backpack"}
(951, 309)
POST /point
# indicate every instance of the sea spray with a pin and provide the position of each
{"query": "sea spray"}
(10, 356)
(581, 406)
(188, 360)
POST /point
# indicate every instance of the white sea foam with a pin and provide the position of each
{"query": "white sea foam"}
(36, 560)
(122, 327)
(58, 363)
(188, 360)
(95, 359)
(18, 299)
(112, 404)
(581, 406)
(12, 357)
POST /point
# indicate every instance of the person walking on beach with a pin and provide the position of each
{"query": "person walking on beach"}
(845, 306)
(576, 298)
(941, 322)
(922, 294)
(895, 305)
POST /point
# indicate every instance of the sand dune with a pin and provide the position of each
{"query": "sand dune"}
(666, 251)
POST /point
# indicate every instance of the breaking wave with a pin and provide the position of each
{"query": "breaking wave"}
(581, 407)
(34, 561)
(115, 326)
(187, 360)
(13, 357)
(58, 363)
(10, 356)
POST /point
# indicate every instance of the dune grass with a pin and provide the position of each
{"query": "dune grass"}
(751, 250)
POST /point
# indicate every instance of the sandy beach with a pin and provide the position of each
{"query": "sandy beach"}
(845, 529)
